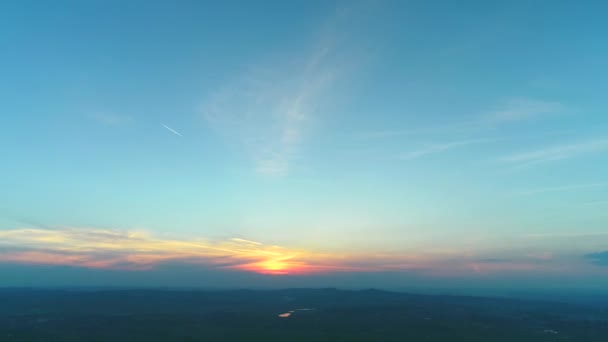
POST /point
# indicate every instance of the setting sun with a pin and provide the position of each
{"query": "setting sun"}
(276, 266)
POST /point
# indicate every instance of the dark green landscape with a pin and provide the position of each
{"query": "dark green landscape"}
(329, 315)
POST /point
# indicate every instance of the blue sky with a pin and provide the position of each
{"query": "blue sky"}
(457, 140)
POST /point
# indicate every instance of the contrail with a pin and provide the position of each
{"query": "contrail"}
(171, 129)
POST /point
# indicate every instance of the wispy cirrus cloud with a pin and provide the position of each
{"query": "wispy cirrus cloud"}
(268, 117)
(421, 131)
(568, 235)
(557, 152)
(522, 109)
(433, 148)
(561, 188)
(512, 111)
(268, 110)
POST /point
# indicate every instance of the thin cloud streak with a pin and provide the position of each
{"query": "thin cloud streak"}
(171, 129)
(247, 241)
(555, 153)
(567, 235)
(426, 130)
(522, 109)
(514, 111)
(594, 203)
(438, 148)
(561, 188)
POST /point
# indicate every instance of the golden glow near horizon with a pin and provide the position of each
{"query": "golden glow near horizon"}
(108, 249)
(97, 248)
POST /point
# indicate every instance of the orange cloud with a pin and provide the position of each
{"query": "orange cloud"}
(97, 248)
(108, 249)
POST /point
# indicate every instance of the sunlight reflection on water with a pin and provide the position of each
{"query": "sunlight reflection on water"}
(290, 312)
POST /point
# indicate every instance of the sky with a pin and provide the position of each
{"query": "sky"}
(386, 144)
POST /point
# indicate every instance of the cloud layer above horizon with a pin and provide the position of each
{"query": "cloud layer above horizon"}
(138, 251)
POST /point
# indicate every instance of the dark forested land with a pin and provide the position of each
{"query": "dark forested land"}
(329, 315)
